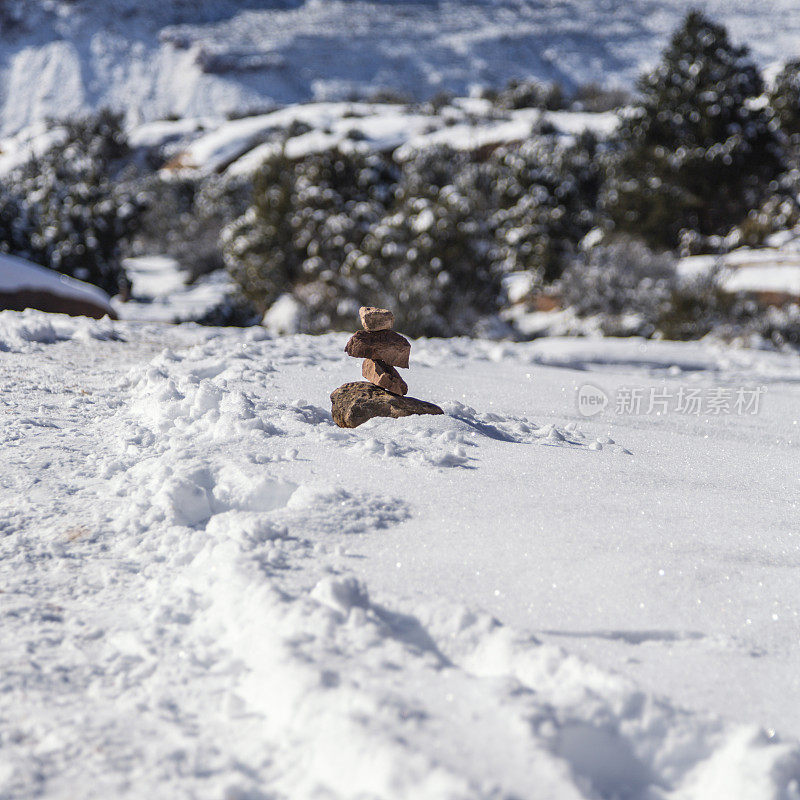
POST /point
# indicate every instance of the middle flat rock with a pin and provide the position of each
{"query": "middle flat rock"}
(386, 346)
(381, 374)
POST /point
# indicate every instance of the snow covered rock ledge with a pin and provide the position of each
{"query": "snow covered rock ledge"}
(26, 285)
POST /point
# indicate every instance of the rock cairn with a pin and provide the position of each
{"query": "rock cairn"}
(383, 392)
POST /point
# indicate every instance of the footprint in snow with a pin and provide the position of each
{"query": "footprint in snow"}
(448, 441)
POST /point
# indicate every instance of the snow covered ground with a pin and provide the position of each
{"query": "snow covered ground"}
(774, 268)
(211, 591)
(239, 147)
(159, 58)
(159, 292)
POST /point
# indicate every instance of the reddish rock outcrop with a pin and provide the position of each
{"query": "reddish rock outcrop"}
(42, 300)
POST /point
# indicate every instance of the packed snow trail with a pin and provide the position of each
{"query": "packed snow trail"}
(209, 590)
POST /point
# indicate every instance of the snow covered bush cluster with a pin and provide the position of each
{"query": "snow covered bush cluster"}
(625, 289)
(529, 94)
(183, 218)
(591, 97)
(624, 283)
(703, 161)
(429, 237)
(699, 164)
(71, 209)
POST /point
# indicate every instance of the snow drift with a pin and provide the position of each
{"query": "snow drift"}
(200, 610)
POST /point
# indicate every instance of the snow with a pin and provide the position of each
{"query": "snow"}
(158, 59)
(210, 590)
(237, 147)
(226, 143)
(771, 269)
(31, 142)
(468, 136)
(576, 122)
(159, 292)
(17, 274)
(160, 132)
(223, 145)
(518, 285)
(154, 276)
(284, 315)
(17, 330)
(772, 278)
(346, 126)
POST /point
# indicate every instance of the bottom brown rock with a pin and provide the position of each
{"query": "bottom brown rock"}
(355, 403)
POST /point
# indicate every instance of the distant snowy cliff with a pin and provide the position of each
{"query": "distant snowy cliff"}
(177, 58)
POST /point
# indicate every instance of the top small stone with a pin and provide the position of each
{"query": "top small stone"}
(376, 319)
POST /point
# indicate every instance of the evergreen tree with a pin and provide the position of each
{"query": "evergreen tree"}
(544, 196)
(784, 99)
(431, 237)
(696, 153)
(430, 258)
(340, 230)
(307, 217)
(71, 208)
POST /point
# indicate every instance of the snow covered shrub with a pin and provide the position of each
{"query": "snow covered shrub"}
(530, 94)
(780, 326)
(698, 306)
(306, 218)
(430, 237)
(184, 219)
(166, 219)
(71, 209)
(596, 99)
(778, 212)
(391, 96)
(342, 230)
(697, 152)
(232, 311)
(430, 258)
(784, 99)
(544, 196)
(624, 282)
(632, 290)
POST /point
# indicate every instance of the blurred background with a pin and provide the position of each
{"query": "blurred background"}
(499, 169)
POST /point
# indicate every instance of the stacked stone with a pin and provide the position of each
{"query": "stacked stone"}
(381, 348)
(384, 395)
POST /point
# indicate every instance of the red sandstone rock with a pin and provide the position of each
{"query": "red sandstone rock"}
(376, 319)
(383, 375)
(387, 346)
(20, 299)
(355, 403)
